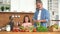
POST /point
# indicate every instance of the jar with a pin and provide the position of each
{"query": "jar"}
(8, 28)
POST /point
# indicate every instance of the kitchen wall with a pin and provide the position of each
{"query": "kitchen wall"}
(4, 17)
(26, 5)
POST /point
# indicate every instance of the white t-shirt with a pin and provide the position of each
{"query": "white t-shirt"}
(39, 15)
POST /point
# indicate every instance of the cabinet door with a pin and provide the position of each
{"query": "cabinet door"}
(23, 5)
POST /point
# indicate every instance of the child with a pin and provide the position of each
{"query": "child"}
(26, 21)
(16, 28)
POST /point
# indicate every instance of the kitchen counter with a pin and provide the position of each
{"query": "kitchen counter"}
(29, 32)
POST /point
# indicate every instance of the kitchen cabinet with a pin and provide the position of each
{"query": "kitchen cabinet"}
(17, 5)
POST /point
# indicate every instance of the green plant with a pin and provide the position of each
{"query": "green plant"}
(21, 27)
(2, 8)
(31, 28)
(41, 28)
(7, 8)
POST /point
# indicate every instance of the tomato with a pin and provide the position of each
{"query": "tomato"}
(15, 30)
(34, 30)
(22, 30)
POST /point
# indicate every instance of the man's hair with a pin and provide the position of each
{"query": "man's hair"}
(38, 1)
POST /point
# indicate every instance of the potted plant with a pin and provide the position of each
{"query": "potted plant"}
(2, 8)
(7, 8)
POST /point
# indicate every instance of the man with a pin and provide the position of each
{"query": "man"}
(41, 15)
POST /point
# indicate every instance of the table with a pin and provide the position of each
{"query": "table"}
(29, 32)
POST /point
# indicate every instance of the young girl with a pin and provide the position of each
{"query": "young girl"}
(16, 28)
(26, 21)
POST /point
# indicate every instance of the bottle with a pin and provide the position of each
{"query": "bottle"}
(18, 23)
(8, 28)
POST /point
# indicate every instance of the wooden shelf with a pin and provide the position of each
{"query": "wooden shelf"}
(55, 20)
(18, 12)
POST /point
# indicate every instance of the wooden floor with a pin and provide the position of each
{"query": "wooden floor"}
(29, 32)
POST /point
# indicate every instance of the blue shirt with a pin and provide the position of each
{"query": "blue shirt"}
(44, 15)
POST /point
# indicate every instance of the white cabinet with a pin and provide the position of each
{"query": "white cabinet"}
(23, 5)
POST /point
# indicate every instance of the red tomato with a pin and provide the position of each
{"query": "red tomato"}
(15, 30)
(22, 30)
(34, 30)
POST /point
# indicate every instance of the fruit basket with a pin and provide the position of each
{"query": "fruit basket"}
(54, 27)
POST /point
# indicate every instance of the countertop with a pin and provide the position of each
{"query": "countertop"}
(29, 32)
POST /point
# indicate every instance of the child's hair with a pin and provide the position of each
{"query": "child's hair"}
(24, 18)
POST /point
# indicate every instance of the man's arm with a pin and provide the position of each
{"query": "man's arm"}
(40, 21)
(47, 17)
(43, 20)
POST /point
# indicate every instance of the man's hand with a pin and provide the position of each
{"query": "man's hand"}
(38, 21)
